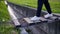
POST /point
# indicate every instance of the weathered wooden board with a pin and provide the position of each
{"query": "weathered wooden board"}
(42, 20)
(30, 22)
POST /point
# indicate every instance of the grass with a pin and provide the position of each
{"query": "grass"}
(5, 27)
(55, 4)
(4, 15)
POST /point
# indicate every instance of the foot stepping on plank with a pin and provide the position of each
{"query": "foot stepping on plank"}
(42, 20)
(30, 22)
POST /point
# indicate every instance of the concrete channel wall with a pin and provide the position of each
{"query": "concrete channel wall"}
(49, 28)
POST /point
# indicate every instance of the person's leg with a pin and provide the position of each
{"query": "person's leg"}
(47, 5)
(40, 4)
(39, 8)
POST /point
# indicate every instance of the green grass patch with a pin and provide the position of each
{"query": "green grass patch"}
(5, 27)
(55, 4)
(4, 15)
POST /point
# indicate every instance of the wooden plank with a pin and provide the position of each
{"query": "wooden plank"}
(28, 20)
(53, 18)
(42, 19)
(31, 21)
(35, 21)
